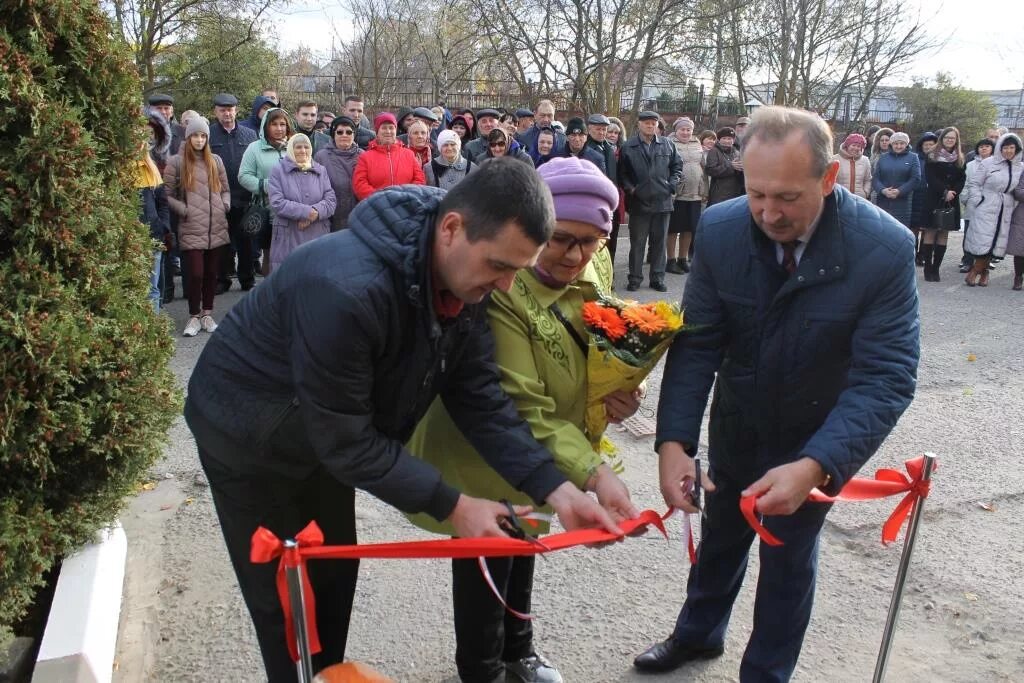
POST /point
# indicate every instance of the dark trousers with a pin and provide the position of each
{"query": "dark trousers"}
(647, 231)
(246, 501)
(613, 237)
(242, 247)
(486, 635)
(785, 583)
(200, 269)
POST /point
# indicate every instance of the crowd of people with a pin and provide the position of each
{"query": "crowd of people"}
(429, 346)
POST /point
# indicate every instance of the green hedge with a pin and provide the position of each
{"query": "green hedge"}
(87, 396)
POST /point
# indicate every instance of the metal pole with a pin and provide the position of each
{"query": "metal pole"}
(901, 578)
(304, 667)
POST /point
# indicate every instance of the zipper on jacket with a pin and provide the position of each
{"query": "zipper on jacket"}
(391, 165)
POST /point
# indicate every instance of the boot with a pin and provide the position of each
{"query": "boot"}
(924, 258)
(937, 256)
(673, 266)
(1018, 273)
(980, 266)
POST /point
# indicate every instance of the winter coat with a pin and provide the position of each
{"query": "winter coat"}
(545, 374)
(608, 153)
(341, 166)
(902, 172)
(691, 184)
(920, 217)
(943, 176)
(447, 176)
(820, 364)
(965, 196)
(293, 193)
(854, 174)
(202, 213)
(649, 174)
(351, 354)
(259, 160)
(253, 122)
(155, 212)
(230, 147)
(726, 181)
(1015, 239)
(588, 153)
(993, 203)
(383, 166)
(364, 136)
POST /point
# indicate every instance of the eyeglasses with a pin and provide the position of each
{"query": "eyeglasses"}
(343, 131)
(567, 242)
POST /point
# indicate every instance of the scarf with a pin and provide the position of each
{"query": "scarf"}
(942, 154)
(422, 154)
(290, 151)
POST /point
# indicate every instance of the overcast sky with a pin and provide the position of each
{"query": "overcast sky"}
(985, 48)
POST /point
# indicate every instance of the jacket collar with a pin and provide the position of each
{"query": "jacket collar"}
(545, 295)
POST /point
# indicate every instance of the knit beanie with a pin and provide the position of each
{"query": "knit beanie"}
(725, 133)
(682, 122)
(382, 118)
(855, 139)
(446, 136)
(197, 124)
(898, 137)
(581, 191)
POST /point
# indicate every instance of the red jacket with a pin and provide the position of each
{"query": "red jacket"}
(381, 167)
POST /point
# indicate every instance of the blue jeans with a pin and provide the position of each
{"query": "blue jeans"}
(785, 585)
(155, 277)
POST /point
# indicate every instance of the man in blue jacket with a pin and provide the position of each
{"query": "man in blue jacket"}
(314, 382)
(806, 306)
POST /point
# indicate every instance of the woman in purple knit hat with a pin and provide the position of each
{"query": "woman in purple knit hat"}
(541, 349)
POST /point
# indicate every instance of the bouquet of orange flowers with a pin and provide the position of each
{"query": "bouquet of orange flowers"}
(627, 340)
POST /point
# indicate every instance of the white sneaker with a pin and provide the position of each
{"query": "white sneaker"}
(208, 323)
(192, 327)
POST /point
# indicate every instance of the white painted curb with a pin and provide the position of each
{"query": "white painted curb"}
(81, 632)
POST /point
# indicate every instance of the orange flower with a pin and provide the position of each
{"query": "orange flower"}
(604, 319)
(644, 318)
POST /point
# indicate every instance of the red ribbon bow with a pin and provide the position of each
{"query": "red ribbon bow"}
(887, 482)
(266, 547)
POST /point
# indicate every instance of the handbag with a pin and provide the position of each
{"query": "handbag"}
(945, 218)
(256, 219)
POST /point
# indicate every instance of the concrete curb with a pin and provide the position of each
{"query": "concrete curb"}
(81, 631)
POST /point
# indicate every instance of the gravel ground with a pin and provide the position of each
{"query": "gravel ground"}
(183, 618)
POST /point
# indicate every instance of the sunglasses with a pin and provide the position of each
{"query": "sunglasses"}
(343, 131)
(498, 144)
(567, 242)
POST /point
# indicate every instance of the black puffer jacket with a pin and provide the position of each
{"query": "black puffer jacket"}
(337, 355)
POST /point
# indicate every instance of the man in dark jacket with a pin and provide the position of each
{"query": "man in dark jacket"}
(597, 134)
(576, 144)
(228, 140)
(164, 104)
(806, 306)
(260, 105)
(354, 108)
(544, 118)
(649, 172)
(486, 121)
(314, 382)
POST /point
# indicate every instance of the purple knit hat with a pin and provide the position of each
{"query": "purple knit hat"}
(581, 191)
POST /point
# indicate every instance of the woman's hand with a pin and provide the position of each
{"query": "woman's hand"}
(949, 195)
(313, 215)
(622, 404)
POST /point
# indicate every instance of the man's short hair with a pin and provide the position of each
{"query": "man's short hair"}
(304, 104)
(545, 104)
(503, 189)
(776, 124)
(353, 98)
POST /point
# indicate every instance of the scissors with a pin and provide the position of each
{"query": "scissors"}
(511, 526)
(695, 493)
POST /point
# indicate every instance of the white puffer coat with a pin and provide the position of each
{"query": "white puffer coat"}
(992, 201)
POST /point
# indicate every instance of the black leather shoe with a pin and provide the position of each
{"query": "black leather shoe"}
(633, 287)
(247, 285)
(659, 287)
(668, 655)
(684, 265)
(223, 286)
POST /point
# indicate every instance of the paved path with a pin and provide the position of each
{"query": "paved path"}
(184, 620)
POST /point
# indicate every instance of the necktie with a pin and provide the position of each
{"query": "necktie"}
(789, 256)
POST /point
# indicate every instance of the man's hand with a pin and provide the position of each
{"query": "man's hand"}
(786, 487)
(475, 517)
(577, 510)
(619, 405)
(612, 494)
(677, 474)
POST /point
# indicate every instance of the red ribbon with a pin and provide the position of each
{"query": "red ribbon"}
(266, 547)
(887, 482)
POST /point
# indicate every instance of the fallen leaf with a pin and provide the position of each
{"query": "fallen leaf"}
(988, 507)
(148, 486)
(166, 507)
(973, 597)
(189, 501)
(971, 358)
(968, 392)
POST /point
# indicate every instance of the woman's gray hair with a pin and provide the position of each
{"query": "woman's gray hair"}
(776, 124)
